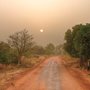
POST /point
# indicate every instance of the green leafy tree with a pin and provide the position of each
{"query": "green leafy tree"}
(78, 42)
(38, 50)
(4, 53)
(68, 45)
(82, 43)
(50, 49)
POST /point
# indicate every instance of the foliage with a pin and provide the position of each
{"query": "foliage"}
(68, 45)
(38, 50)
(21, 42)
(4, 53)
(78, 42)
(58, 49)
(50, 49)
(82, 41)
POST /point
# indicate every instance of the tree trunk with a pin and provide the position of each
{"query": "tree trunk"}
(81, 62)
(88, 65)
(19, 60)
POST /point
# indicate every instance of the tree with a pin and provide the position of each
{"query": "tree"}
(68, 45)
(82, 43)
(4, 53)
(75, 30)
(58, 49)
(78, 42)
(50, 49)
(21, 42)
(38, 50)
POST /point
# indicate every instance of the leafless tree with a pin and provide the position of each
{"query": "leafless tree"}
(22, 42)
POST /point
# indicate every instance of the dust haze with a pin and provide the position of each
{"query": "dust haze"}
(53, 16)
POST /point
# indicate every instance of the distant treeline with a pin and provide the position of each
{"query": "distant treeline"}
(22, 44)
(78, 43)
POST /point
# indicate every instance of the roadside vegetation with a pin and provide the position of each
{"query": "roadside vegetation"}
(20, 53)
(21, 44)
(77, 44)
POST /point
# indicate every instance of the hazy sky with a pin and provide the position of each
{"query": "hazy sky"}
(54, 16)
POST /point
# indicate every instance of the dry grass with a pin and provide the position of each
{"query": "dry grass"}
(70, 61)
(29, 62)
(9, 72)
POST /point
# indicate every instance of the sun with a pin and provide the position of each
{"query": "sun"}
(41, 30)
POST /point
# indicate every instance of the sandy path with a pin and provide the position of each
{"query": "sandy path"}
(50, 75)
(69, 82)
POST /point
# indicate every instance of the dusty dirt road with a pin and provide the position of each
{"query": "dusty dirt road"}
(50, 75)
